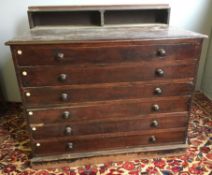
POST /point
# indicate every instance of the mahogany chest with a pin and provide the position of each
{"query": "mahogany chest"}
(101, 80)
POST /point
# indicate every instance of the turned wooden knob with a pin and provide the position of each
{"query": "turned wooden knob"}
(155, 107)
(70, 145)
(62, 77)
(158, 91)
(161, 52)
(155, 123)
(66, 114)
(64, 96)
(68, 130)
(59, 56)
(159, 72)
(152, 139)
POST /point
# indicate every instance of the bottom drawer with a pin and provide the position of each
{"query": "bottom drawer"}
(108, 142)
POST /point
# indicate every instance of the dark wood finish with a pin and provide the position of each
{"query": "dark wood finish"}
(48, 54)
(110, 126)
(122, 140)
(117, 17)
(105, 156)
(66, 18)
(42, 96)
(2, 99)
(107, 36)
(90, 90)
(91, 74)
(3, 105)
(105, 110)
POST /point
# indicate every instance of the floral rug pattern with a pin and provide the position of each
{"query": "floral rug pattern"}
(14, 150)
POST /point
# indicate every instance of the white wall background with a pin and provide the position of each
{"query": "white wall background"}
(207, 74)
(194, 15)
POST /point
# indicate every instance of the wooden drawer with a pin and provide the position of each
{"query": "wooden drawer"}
(160, 121)
(106, 110)
(84, 74)
(108, 141)
(76, 94)
(68, 54)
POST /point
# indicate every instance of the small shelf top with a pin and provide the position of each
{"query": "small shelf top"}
(97, 7)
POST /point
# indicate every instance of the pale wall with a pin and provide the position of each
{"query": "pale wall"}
(207, 74)
(188, 14)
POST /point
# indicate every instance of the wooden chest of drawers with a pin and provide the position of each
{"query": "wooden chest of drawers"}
(100, 91)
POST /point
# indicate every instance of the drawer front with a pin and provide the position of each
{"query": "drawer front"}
(68, 75)
(66, 54)
(70, 94)
(115, 109)
(109, 126)
(68, 145)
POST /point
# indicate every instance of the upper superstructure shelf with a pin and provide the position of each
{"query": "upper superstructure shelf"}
(85, 16)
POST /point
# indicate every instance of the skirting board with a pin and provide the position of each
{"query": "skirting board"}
(98, 157)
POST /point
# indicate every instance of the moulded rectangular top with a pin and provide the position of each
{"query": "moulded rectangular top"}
(46, 35)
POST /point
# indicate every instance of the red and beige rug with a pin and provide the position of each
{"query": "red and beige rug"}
(197, 160)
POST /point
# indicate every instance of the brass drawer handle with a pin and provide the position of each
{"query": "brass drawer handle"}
(158, 91)
(38, 144)
(159, 72)
(161, 52)
(155, 107)
(64, 96)
(70, 145)
(68, 130)
(59, 56)
(24, 73)
(155, 123)
(19, 52)
(30, 113)
(152, 139)
(34, 128)
(28, 94)
(66, 115)
(62, 77)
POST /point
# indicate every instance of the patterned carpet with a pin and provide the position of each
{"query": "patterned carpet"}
(14, 150)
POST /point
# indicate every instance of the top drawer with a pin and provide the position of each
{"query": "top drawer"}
(68, 54)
